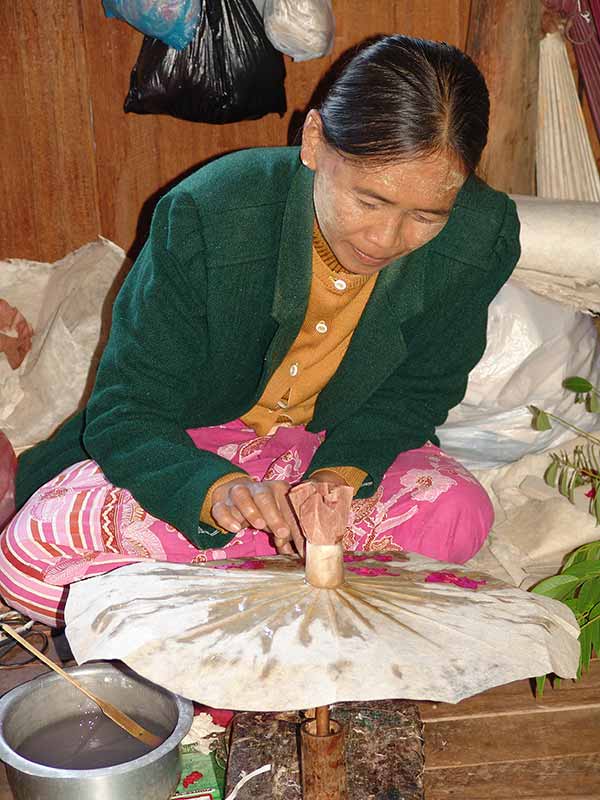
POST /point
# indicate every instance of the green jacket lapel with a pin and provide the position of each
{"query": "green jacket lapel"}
(377, 345)
(294, 270)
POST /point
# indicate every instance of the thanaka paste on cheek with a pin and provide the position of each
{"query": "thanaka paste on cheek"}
(365, 236)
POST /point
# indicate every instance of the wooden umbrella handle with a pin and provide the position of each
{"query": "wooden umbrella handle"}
(322, 716)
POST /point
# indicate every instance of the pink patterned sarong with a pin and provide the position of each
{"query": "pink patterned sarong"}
(79, 525)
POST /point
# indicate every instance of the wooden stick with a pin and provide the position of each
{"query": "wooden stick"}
(117, 716)
(322, 715)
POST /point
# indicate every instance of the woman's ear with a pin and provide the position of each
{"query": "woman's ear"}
(312, 139)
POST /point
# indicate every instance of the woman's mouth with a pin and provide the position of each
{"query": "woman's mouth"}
(369, 260)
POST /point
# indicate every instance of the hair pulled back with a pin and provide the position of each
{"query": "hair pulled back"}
(400, 97)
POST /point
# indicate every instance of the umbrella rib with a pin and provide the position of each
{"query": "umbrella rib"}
(393, 619)
(209, 626)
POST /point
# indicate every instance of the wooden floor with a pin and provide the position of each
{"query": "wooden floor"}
(501, 745)
(505, 744)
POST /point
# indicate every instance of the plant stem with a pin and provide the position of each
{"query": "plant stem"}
(581, 470)
(589, 622)
(570, 425)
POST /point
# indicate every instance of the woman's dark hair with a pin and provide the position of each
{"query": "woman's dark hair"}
(400, 97)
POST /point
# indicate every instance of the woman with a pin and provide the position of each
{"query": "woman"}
(294, 315)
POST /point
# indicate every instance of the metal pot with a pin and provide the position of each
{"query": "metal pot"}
(50, 699)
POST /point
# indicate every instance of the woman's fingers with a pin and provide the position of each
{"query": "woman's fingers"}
(244, 502)
(223, 515)
(241, 496)
(284, 547)
(295, 534)
(266, 501)
(260, 505)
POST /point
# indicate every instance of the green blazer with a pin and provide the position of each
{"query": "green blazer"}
(216, 299)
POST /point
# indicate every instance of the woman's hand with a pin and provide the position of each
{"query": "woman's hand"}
(262, 505)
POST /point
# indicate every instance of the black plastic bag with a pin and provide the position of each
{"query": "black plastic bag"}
(229, 72)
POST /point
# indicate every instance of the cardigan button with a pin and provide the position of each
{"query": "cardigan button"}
(294, 370)
(340, 284)
(321, 327)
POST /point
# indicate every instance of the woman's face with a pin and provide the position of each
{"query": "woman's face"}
(371, 215)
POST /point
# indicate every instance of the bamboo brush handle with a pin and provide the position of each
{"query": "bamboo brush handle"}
(118, 717)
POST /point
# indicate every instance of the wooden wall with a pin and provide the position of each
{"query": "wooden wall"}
(73, 164)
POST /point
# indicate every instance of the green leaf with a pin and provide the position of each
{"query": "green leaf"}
(539, 685)
(594, 616)
(576, 607)
(585, 640)
(593, 457)
(587, 552)
(577, 384)
(584, 569)
(560, 587)
(540, 421)
(551, 473)
(564, 482)
(592, 402)
(589, 594)
(596, 501)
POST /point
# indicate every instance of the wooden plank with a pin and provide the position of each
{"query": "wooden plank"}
(520, 737)
(139, 157)
(48, 176)
(74, 164)
(503, 40)
(518, 697)
(556, 778)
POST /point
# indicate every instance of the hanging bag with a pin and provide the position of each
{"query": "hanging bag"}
(172, 21)
(302, 29)
(229, 72)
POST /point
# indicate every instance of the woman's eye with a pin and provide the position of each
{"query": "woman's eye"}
(426, 221)
(366, 204)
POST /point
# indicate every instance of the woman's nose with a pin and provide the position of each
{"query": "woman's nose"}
(386, 236)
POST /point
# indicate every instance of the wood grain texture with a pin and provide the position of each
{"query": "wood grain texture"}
(556, 778)
(518, 698)
(48, 179)
(504, 744)
(503, 40)
(74, 164)
(383, 752)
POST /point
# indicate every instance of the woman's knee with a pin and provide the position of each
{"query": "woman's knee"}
(459, 522)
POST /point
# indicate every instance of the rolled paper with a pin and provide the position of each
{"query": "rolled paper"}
(322, 510)
(324, 565)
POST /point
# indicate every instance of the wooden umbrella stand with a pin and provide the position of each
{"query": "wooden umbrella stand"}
(322, 739)
(322, 761)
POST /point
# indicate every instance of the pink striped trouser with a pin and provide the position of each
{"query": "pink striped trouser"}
(79, 525)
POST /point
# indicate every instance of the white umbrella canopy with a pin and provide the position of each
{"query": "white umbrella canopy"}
(252, 634)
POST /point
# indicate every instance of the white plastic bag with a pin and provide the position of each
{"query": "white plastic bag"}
(65, 303)
(302, 29)
(534, 343)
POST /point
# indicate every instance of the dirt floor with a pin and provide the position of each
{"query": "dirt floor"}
(501, 745)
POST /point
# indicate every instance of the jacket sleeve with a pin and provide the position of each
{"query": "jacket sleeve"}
(403, 413)
(153, 370)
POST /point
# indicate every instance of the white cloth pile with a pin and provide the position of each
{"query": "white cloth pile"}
(68, 305)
